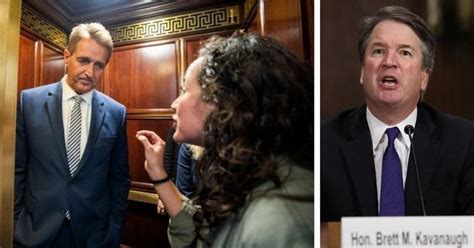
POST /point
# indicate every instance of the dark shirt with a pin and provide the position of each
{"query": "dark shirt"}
(186, 171)
(171, 155)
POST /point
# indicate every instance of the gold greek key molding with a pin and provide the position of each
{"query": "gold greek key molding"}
(157, 28)
(39, 26)
(180, 24)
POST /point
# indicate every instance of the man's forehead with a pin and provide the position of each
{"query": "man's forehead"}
(397, 29)
(394, 33)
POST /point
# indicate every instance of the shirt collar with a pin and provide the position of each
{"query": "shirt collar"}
(68, 92)
(377, 128)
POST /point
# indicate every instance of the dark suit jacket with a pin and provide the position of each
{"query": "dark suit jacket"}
(444, 147)
(96, 196)
(170, 155)
(186, 177)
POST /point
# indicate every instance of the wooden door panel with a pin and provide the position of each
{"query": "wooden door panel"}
(282, 20)
(136, 153)
(192, 44)
(143, 77)
(39, 63)
(144, 228)
(192, 49)
(26, 63)
(53, 65)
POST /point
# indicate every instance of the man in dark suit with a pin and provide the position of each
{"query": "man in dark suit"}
(71, 175)
(397, 54)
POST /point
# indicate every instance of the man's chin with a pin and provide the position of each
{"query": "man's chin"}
(83, 88)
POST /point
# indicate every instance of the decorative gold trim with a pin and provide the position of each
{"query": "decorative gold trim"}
(150, 114)
(182, 64)
(198, 21)
(140, 196)
(9, 47)
(233, 15)
(39, 26)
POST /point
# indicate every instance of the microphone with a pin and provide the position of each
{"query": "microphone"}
(409, 129)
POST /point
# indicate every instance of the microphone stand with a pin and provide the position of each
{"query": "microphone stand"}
(410, 130)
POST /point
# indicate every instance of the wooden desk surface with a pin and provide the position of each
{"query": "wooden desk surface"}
(331, 235)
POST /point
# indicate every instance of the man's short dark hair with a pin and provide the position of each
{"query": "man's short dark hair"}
(405, 16)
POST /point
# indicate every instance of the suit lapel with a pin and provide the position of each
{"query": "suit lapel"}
(427, 147)
(55, 116)
(357, 152)
(97, 119)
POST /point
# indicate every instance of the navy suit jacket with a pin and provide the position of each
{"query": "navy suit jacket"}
(444, 147)
(186, 178)
(96, 196)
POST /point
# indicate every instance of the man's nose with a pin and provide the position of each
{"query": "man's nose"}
(390, 59)
(89, 70)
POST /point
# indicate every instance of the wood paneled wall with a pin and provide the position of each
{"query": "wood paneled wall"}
(144, 76)
(26, 63)
(52, 64)
(451, 85)
(192, 44)
(290, 22)
(39, 62)
(144, 228)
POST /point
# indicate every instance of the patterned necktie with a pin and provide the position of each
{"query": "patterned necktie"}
(74, 136)
(392, 197)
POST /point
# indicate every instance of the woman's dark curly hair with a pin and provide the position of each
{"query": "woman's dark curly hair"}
(264, 98)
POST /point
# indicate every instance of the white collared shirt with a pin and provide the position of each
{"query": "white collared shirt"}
(86, 106)
(380, 142)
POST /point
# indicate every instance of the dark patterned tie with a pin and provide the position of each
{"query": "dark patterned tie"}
(392, 197)
(74, 136)
(74, 140)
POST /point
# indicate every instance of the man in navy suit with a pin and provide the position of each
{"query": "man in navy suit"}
(397, 54)
(56, 204)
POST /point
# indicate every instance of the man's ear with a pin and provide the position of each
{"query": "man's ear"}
(425, 77)
(66, 55)
(361, 80)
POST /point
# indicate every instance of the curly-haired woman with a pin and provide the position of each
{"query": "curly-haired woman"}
(249, 102)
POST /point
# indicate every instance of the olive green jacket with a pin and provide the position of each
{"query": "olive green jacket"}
(267, 219)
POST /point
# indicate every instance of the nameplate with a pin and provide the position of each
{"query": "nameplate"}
(437, 232)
